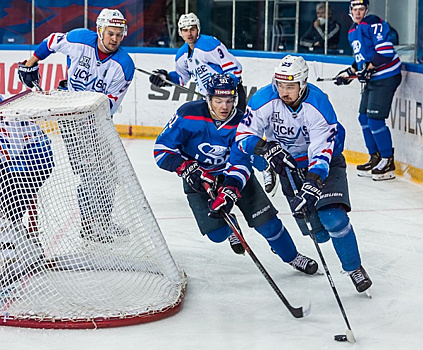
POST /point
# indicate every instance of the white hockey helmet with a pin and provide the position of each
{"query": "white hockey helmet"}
(111, 18)
(292, 69)
(187, 21)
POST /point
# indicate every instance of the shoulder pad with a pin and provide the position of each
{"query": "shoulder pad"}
(126, 62)
(263, 96)
(82, 35)
(183, 49)
(207, 43)
(372, 19)
(192, 108)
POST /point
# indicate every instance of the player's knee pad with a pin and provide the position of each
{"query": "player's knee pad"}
(270, 229)
(335, 221)
(363, 120)
(322, 236)
(220, 234)
(377, 125)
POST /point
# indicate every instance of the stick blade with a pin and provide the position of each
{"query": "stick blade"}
(350, 336)
(300, 312)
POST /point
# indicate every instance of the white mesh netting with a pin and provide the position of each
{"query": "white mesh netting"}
(79, 243)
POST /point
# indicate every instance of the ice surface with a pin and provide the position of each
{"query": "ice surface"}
(229, 304)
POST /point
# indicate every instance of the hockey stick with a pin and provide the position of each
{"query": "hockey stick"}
(171, 83)
(349, 336)
(334, 78)
(297, 312)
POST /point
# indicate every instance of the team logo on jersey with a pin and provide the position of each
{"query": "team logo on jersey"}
(276, 118)
(85, 62)
(356, 46)
(215, 154)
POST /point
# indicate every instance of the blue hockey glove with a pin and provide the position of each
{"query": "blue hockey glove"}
(195, 176)
(225, 200)
(28, 75)
(278, 158)
(310, 192)
(365, 74)
(344, 77)
(159, 78)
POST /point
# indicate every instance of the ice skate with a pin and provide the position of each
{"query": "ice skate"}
(361, 279)
(102, 232)
(365, 170)
(271, 181)
(236, 244)
(94, 232)
(384, 170)
(304, 264)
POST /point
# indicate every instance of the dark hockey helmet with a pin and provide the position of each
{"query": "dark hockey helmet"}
(359, 2)
(221, 85)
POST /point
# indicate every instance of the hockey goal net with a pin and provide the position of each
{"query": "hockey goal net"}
(79, 244)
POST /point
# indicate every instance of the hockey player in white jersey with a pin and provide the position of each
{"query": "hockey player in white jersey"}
(299, 121)
(96, 62)
(200, 57)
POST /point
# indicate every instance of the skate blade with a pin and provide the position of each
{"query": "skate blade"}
(368, 294)
(387, 176)
(363, 173)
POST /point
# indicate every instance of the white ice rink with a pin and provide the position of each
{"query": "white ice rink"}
(229, 304)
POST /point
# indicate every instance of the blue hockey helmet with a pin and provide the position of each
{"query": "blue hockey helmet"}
(221, 85)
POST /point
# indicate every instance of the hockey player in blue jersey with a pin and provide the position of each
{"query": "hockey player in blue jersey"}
(198, 145)
(378, 67)
(26, 162)
(96, 62)
(299, 122)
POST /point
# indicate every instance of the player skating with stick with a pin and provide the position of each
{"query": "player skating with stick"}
(316, 141)
(196, 144)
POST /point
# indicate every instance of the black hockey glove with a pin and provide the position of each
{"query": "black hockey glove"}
(365, 74)
(307, 197)
(226, 198)
(344, 77)
(63, 85)
(195, 176)
(278, 158)
(28, 75)
(159, 78)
